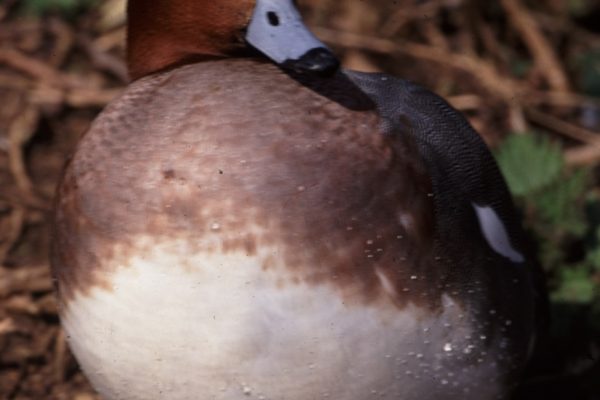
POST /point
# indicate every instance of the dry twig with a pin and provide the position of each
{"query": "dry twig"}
(563, 127)
(25, 279)
(64, 42)
(21, 130)
(485, 72)
(546, 61)
(103, 59)
(11, 231)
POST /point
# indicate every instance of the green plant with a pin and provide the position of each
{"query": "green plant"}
(64, 7)
(558, 204)
(587, 66)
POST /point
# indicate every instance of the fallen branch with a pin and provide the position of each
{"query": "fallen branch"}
(485, 72)
(12, 228)
(546, 61)
(20, 131)
(25, 279)
(564, 128)
(583, 155)
(37, 69)
(103, 59)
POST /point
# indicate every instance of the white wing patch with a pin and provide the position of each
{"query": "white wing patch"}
(495, 233)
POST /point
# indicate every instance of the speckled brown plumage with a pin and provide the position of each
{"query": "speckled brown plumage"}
(329, 190)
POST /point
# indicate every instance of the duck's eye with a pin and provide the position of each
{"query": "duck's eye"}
(273, 18)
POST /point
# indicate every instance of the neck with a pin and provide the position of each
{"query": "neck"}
(166, 34)
(146, 55)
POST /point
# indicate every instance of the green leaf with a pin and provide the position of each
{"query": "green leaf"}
(588, 66)
(521, 67)
(593, 253)
(579, 7)
(65, 7)
(593, 257)
(576, 286)
(560, 204)
(550, 252)
(529, 162)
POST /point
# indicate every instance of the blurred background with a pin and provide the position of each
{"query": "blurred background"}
(525, 72)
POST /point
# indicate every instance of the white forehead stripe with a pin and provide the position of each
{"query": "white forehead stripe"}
(277, 30)
(495, 233)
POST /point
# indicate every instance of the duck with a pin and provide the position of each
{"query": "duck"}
(249, 220)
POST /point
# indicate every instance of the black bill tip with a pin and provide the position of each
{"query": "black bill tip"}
(319, 61)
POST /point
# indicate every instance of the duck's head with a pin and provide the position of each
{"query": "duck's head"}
(167, 33)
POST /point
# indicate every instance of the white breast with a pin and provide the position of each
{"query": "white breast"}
(180, 327)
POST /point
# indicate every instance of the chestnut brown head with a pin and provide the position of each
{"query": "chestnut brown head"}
(166, 33)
